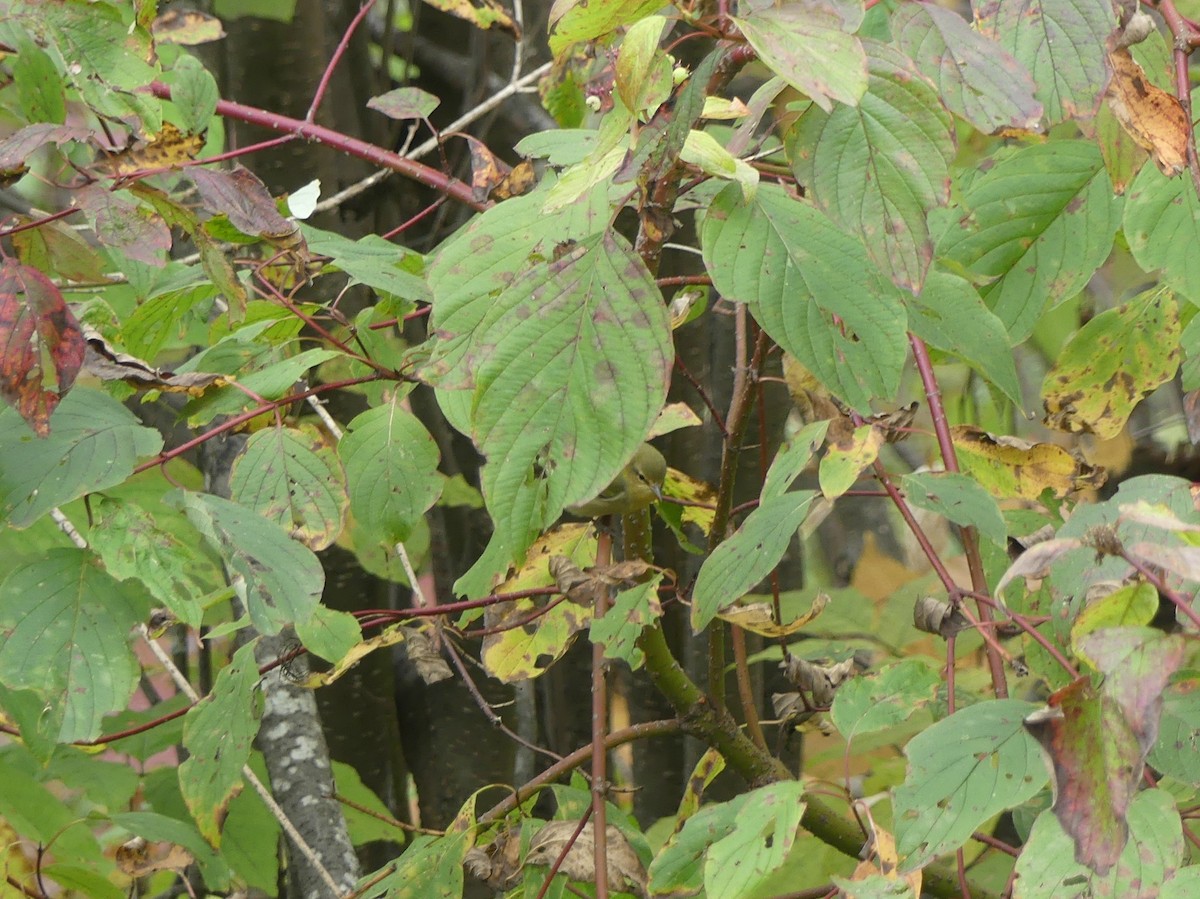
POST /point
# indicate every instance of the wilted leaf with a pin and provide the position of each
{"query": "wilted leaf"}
(1008, 467)
(1035, 562)
(128, 227)
(36, 328)
(187, 27)
(240, 195)
(759, 617)
(483, 14)
(820, 682)
(845, 459)
(1151, 116)
(138, 858)
(103, 361)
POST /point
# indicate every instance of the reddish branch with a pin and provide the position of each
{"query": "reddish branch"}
(352, 146)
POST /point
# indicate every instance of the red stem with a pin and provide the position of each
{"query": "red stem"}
(323, 86)
(352, 146)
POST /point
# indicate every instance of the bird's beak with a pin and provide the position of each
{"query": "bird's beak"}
(658, 493)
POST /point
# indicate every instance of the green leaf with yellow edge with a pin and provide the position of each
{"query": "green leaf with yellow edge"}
(524, 649)
(1062, 45)
(1037, 225)
(705, 152)
(878, 168)
(1008, 467)
(1133, 605)
(392, 635)
(811, 45)
(846, 458)
(1112, 363)
(292, 477)
(583, 21)
(812, 287)
(218, 734)
(748, 556)
(64, 628)
(959, 498)
(759, 617)
(632, 611)
(643, 72)
(962, 771)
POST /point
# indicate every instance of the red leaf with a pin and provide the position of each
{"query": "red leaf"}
(36, 329)
(1096, 763)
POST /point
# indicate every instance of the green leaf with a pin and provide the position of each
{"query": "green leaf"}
(875, 702)
(1061, 43)
(846, 458)
(632, 611)
(588, 21)
(643, 72)
(39, 84)
(811, 46)
(195, 92)
(962, 771)
(1047, 866)
(218, 734)
(793, 458)
(878, 168)
(748, 555)
(293, 478)
(41, 816)
(157, 827)
(1040, 223)
(94, 444)
(272, 382)
(371, 260)
(949, 315)
(65, 625)
(281, 580)
(1177, 750)
(391, 469)
(329, 633)
(703, 150)
(733, 845)
(802, 273)
(405, 103)
(579, 356)
(364, 827)
(959, 498)
(133, 544)
(1112, 363)
(1161, 215)
(975, 77)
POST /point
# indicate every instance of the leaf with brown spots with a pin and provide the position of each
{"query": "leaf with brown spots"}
(1008, 467)
(186, 27)
(39, 337)
(170, 148)
(1151, 116)
(1112, 363)
(244, 198)
(483, 14)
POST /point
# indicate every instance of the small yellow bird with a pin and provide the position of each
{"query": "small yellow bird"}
(636, 487)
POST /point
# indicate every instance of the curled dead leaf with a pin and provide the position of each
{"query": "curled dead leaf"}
(170, 148)
(759, 617)
(582, 587)
(625, 870)
(499, 863)
(1152, 117)
(936, 616)
(138, 858)
(820, 682)
(103, 361)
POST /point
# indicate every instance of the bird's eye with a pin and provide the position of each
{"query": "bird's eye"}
(642, 478)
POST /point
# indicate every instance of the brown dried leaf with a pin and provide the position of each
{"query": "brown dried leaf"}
(625, 870)
(499, 863)
(37, 333)
(240, 195)
(1035, 562)
(582, 586)
(425, 658)
(19, 146)
(102, 361)
(170, 148)
(137, 858)
(486, 15)
(516, 183)
(936, 616)
(487, 170)
(885, 861)
(819, 681)
(759, 617)
(1151, 116)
